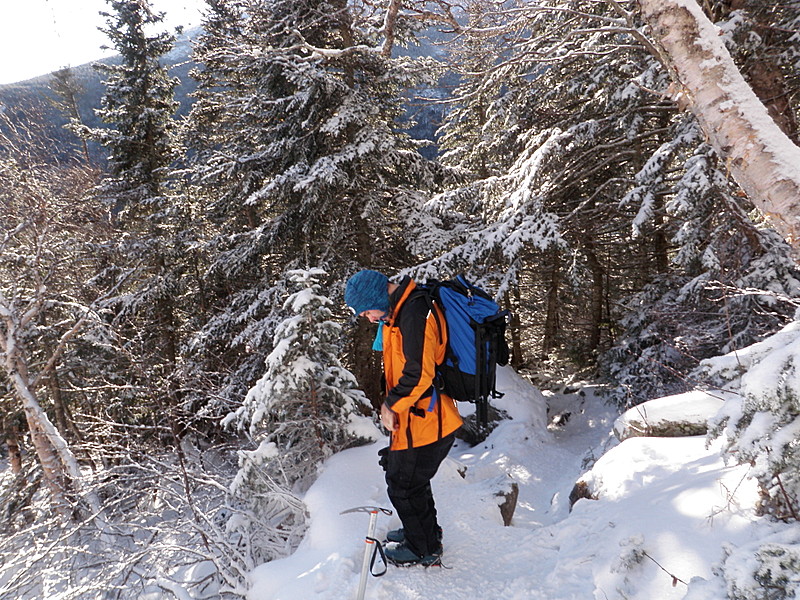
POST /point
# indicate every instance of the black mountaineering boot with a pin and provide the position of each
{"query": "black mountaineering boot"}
(399, 535)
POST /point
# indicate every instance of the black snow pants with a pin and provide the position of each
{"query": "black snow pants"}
(408, 477)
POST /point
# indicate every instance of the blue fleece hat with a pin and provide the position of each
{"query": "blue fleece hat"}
(367, 290)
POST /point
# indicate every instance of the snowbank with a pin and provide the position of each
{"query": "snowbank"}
(666, 508)
(671, 416)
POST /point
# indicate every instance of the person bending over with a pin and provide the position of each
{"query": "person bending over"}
(421, 419)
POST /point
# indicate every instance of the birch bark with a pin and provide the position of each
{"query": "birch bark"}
(761, 158)
(59, 465)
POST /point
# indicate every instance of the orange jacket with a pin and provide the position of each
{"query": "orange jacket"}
(412, 347)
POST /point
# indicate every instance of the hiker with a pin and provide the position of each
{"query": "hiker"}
(421, 420)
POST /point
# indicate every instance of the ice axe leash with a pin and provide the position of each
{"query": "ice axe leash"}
(372, 548)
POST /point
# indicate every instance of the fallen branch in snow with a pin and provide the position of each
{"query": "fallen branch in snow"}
(675, 578)
(729, 496)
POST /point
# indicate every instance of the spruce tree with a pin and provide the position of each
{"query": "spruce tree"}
(302, 161)
(139, 106)
(563, 116)
(305, 408)
(478, 135)
(759, 421)
(613, 190)
(67, 90)
(693, 310)
(154, 227)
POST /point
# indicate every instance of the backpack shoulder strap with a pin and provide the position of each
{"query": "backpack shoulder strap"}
(430, 288)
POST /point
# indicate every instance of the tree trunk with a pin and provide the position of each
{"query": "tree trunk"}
(367, 363)
(58, 402)
(660, 242)
(59, 466)
(552, 322)
(389, 22)
(761, 71)
(14, 452)
(761, 158)
(598, 293)
(515, 326)
(55, 475)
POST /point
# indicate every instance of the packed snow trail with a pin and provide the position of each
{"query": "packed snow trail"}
(479, 551)
(597, 551)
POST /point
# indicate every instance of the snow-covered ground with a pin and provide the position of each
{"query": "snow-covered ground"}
(665, 510)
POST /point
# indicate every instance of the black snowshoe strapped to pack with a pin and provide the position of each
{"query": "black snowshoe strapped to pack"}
(476, 342)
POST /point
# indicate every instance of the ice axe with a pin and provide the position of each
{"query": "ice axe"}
(372, 548)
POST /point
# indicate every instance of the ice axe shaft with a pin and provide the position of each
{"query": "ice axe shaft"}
(369, 543)
(362, 584)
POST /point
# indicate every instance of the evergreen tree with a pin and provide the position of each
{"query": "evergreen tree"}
(478, 134)
(693, 311)
(67, 91)
(139, 105)
(302, 159)
(574, 125)
(151, 250)
(759, 423)
(306, 402)
(305, 408)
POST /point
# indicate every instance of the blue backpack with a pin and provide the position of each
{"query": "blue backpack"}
(476, 342)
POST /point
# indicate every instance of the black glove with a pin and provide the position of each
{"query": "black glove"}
(383, 457)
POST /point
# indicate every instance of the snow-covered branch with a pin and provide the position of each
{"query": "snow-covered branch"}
(329, 53)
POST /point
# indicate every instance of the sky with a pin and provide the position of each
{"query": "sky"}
(41, 36)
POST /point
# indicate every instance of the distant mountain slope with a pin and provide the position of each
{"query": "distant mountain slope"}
(34, 118)
(32, 105)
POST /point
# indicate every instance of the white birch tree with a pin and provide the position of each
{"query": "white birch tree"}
(761, 158)
(42, 250)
